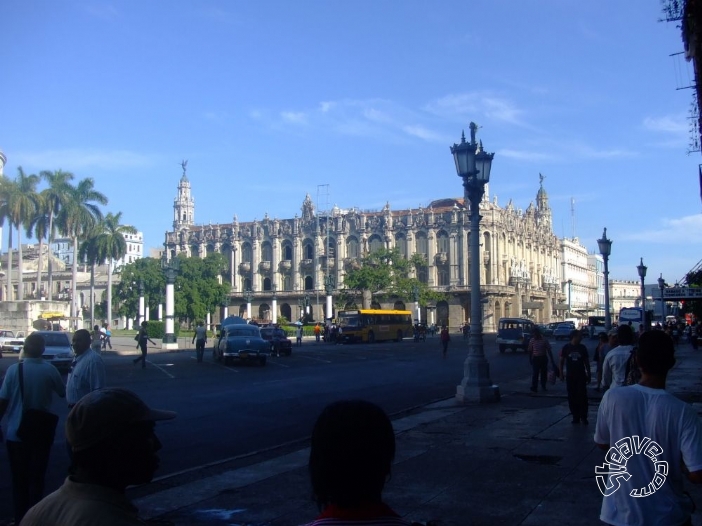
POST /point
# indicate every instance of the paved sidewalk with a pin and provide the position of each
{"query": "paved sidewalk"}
(519, 462)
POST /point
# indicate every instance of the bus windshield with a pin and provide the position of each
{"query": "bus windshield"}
(349, 320)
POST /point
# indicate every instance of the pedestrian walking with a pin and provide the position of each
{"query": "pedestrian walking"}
(444, 338)
(142, 339)
(351, 454)
(539, 351)
(575, 368)
(466, 331)
(614, 365)
(96, 339)
(601, 351)
(655, 436)
(298, 335)
(317, 332)
(107, 334)
(200, 339)
(87, 371)
(29, 384)
(111, 435)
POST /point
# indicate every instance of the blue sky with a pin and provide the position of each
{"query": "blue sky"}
(269, 99)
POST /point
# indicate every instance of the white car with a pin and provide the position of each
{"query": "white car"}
(10, 342)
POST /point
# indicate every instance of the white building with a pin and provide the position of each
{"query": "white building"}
(623, 293)
(595, 263)
(62, 248)
(577, 279)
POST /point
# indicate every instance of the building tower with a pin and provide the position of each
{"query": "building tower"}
(184, 204)
(543, 211)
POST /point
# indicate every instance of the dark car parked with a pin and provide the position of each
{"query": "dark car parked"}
(243, 343)
(563, 330)
(279, 342)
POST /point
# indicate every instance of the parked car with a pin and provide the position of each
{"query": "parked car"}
(546, 329)
(243, 343)
(563, 330)
(279, 342)
(58, 349)
(514, 333)
(10, 342)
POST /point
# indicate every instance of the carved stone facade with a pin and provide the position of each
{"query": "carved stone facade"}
(520, 257)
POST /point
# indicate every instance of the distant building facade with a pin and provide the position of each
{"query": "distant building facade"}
(520, 257)
(62, 248)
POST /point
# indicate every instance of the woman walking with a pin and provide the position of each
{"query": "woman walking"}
(143, 337)
(445, 338)
(539, 354)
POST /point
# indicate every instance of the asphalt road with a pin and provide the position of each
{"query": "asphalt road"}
(228, 411)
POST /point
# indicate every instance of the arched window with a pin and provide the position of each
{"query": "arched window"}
(266, 252)
(352, 247)
(421, 244)
(195, 251)
(375, 244)
(309, 250)
(401, 244)
(442, 242)
(443, 276)
(266, 283)
(246, 253)
(287, 251)
(309, 284)
(287, 283)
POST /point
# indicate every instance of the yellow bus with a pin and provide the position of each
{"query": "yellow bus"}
(374, 325)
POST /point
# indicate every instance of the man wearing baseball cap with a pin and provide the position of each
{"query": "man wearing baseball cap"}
(111, 434)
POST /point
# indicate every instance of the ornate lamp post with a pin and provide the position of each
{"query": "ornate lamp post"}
(570, 295)
(605, 246)
(661, 285)
(170, 269)
(329, 289)
(642, 274)
(248, 295)
(415, 294)
(304, 304)
(473, 166)
(225, 309)
(274, 318)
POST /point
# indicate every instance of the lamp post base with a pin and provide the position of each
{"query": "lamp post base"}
(466, 393)
(169, 341)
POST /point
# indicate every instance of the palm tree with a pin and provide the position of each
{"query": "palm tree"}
(21, 206)
(7, 188)
(79, 215)
(89, 252)
(56, 196)
(113, 247)
(38, 226)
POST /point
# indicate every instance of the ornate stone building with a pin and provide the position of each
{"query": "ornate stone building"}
(520, 260)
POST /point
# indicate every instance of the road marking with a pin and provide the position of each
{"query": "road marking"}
(160, 369)
(278, 364)
(315, 359)
(191, 493)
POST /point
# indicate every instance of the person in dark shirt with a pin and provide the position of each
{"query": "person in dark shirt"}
(576, 366)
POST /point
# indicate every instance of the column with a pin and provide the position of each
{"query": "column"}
(296, 264)
(169, 339)
(431, 263)
(160, 312)
(453, 258)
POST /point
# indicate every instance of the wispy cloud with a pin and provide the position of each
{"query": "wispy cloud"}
(528, 155)
(294, 117)
(102, 10)
(76, 158)
(672, 231)
(462, 105)
(675, 124)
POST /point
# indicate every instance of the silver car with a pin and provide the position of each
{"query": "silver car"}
(58, 349)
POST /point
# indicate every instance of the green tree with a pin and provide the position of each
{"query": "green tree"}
(198, 287)
(38, 226)
(78, 216)
(56, 196)
(146, 271)
(18, 205)
(113, 246)
(89, 253)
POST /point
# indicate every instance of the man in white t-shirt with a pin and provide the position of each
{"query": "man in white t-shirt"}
(614, 365)
(652, 439)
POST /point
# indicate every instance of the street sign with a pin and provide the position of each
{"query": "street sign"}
(682, 293)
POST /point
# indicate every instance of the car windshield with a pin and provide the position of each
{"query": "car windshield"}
(268, 334)
(56, 340)
(7, 334)
(242, 331)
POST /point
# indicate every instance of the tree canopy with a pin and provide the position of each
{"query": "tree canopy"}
(198, 287)
(387, 273)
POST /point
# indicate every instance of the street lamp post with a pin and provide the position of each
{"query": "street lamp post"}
(605, 246)
(642, 274)
(170, 269)
(274, 318)
(661, 285)
(570, 295)
(140, 316)
(248, 295)
(415, 294)
(473, 166)
(329, 289)
(304, 303)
